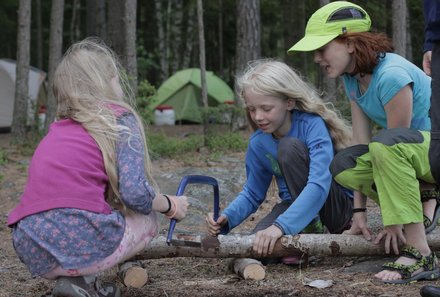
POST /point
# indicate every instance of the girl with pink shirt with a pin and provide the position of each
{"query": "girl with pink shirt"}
(90, 201)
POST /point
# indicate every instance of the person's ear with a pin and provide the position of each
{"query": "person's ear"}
(350, 46)
(290, 104)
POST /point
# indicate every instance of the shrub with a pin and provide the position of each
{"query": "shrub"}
(146, 92)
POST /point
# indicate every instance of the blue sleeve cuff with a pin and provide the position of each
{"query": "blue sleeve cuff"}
(279, 227)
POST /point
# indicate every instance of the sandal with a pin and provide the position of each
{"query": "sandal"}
(427, 222)
(429, 264)
(133, 274)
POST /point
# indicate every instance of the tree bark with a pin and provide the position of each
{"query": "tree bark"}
(248, 39)
(162, 44)
(202, 60)
(55, 53)
(130, 42)
(115, 26)
(176, 32)
(101, 24)
(399, 27)
(240, 246)
(75, 21)
(220, 38)
(18, 128)
(189, 40)
(39, 31)
(91, 17)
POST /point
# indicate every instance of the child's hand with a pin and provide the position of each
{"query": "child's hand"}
(181, 204)
(359, 226)
(215, 226)
(393, 237)
(265, 240)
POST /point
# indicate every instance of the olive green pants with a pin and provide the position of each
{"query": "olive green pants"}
(388, 170)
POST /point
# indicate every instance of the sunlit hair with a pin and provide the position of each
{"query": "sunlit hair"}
(368, 48)
(83, 92)
(277, 79)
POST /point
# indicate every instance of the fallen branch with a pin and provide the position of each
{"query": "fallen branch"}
(240, 246)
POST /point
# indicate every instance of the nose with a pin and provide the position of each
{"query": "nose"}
(259, 115)
(317, 57)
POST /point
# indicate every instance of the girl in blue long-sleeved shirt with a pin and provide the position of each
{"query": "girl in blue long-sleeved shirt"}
(295, 139)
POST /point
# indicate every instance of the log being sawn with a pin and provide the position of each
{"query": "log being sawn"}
(240, 246)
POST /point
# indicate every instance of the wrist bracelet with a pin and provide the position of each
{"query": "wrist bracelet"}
(169, 204)
(173, 211)
(360, 209)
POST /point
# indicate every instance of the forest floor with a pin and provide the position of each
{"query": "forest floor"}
(350, 276)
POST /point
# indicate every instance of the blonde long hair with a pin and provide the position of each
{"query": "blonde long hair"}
(274, 78)
(84, 93)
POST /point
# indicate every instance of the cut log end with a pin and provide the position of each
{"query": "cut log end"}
(249, 269)
(135, 277)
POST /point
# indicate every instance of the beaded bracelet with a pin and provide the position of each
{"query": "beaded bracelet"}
(169, 204)
(361, 209)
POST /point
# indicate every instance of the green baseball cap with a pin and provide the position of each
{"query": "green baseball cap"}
(329, 22)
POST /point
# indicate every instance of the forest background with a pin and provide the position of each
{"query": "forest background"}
(156, 38)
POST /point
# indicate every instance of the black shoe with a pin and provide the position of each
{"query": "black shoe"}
(84, 286)
(430, 291)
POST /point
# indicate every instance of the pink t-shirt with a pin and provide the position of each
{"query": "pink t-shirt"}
(66, 171)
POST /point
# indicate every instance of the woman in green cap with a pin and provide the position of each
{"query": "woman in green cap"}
(391, 92)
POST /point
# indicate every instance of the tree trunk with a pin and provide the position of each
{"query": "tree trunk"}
(39, 29)
(409, 50)
(176, 33)
(240, 246)
(18, 128)
(248, 39)
(162, 45)
(189, 40)
(55, 53)
(130, 42)
(202, 60)
(399, 26)
(91, 17)
(115, 26)
(101, 24)
(220, 38)
(76, 21)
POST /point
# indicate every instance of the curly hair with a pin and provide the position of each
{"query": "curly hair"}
(368, 48)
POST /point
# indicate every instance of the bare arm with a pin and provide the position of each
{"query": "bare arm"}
(361, 125)
(399, 109)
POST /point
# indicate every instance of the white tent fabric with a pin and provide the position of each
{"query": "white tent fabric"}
(7, 91)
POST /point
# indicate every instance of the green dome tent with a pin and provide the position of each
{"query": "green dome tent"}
(182, 91)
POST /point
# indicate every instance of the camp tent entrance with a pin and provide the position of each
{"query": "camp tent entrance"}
(182, 91)
(7, 92)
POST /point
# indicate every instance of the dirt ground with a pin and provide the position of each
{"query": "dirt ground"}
(194, 276)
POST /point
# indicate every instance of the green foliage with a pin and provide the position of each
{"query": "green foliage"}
(146, 91)
(3, 157)
(146, 61)
(226, 142)
(162, 146)
(224, 114)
